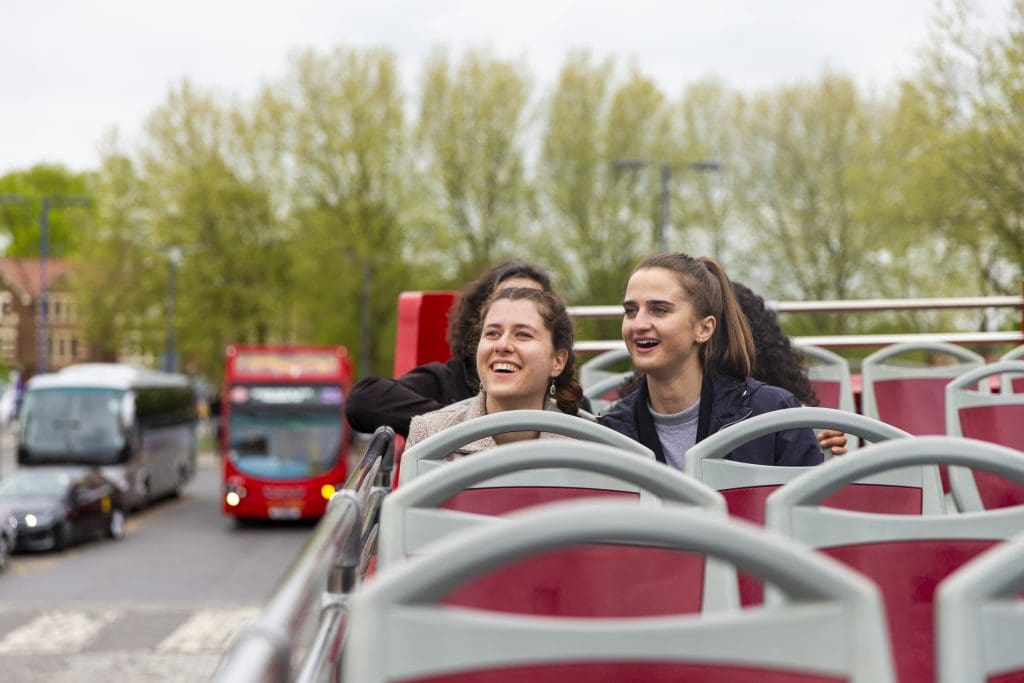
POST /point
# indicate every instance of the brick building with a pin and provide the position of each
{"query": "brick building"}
(19, 298)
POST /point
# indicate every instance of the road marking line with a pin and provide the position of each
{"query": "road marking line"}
(207, 630)
(57, 632)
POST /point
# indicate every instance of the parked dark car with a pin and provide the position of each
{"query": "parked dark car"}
(58, 506)
(8, 535)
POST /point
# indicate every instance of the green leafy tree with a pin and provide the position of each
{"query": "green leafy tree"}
(351, 248)
(603, 219)
(811, 189)
(472, 125)
(112, 274)
(20, 211)
(970, 96)
(231, 281)
(705, 129)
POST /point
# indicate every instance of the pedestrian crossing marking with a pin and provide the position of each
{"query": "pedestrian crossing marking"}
(208, 630)
(57, 632)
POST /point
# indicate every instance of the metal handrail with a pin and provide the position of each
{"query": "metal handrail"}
(847, 306)
(850, 306)
(317, 585)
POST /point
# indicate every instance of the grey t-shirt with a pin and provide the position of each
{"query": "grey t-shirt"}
(677, 432)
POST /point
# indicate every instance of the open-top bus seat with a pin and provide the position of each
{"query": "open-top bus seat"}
(596, 369)
(912, 398)
(979, 618)
(600, 384)
(431, 452)
(831, 628)
(829, 374)
(746, 486)
(998, 418)
(1011, 384)
(474, 490)
(907, 556)
(603, 393)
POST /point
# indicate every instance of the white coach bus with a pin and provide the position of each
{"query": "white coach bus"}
(137, 425)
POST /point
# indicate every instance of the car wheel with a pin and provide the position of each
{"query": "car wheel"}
(5, 553)
(116, 525)
(62, 536)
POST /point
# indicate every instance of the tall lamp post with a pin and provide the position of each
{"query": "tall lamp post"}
(44, 246)
(170, 353)
(666, 181)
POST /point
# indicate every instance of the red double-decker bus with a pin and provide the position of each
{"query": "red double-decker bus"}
(284, 439)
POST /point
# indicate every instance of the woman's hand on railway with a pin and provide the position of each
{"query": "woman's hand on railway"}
(832, 439)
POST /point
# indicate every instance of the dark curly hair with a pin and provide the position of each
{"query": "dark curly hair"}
(464, 315)
(777, 361)
(568, 392)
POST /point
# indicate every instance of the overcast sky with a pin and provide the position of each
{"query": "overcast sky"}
(72, 69)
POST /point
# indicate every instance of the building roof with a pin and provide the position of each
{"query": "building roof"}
(22, 274)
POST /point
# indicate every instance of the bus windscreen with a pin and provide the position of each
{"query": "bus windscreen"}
(72, 425)
(284, 432)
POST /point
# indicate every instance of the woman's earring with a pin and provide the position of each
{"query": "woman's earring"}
(481, 387)
(552, 389)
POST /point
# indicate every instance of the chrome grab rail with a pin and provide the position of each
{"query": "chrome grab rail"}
(315, 589)
(848, 306)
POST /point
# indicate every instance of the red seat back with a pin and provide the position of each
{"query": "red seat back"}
(907, 573)
(827, 392)
(1004, 425)
(748, 503)
(915, 405)
(626, 672)
(590, 581)
(498, 501)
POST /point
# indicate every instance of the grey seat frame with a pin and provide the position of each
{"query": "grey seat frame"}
(411, 517)
(705, 460)
(979, 621)
(960, 395)
(431, 452)
(833, 623)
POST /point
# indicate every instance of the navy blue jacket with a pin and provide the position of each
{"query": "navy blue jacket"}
(724, 401)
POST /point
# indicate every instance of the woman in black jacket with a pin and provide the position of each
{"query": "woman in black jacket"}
(376, 401)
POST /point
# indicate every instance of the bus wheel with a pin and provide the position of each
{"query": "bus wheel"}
(115, 524)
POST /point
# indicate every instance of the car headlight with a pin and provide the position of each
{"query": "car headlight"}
(38, 519)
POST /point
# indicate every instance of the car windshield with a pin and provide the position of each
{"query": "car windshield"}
(284, 446)
(34, 484)
(72, 424)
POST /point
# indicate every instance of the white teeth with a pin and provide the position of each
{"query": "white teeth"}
(646, 343)
(504, 367)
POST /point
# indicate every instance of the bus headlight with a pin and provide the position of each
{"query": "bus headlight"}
(234, 494)
(327, 490)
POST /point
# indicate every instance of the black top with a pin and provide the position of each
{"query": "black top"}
(376, 401)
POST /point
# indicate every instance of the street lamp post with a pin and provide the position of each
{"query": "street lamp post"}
(44, 246)
(170, 354)
(666, 182)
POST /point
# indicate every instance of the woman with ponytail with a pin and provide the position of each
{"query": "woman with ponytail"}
(686, 333)
(524, 359)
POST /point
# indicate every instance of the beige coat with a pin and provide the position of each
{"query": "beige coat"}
(431, 423)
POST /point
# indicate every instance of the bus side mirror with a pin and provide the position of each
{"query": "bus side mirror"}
(128, 412)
